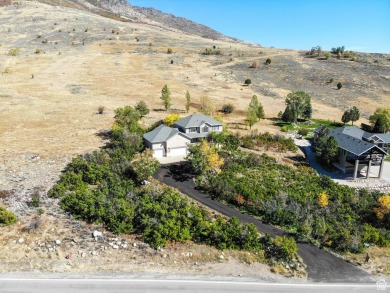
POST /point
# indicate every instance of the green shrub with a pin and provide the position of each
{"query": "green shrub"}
(213, 51)
(228, 108)
(327, 55)
(339, 85)
(247, 81)
(303, 131)
(268, 61)
(35, 201)
(13, 52)
(6, 217)
(101, 110)
(142, 108)
(268, 141)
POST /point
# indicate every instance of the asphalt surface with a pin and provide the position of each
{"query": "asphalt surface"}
(322, 266)
(161, 286)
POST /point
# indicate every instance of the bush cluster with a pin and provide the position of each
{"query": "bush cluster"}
(312, 206)
(268, 141)
(6, 217)
(104, 187)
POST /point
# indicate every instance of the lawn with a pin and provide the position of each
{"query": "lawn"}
(310, 125)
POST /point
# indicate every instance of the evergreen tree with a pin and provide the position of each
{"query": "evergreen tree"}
(326, 147)
(166, 97)
(346, 117)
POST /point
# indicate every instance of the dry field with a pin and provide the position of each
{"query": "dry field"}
(68, 63)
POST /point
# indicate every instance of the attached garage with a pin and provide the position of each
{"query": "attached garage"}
(180, 151)
(158, 153)
(167, 142)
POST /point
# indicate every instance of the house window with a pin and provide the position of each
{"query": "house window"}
(215, 128)
(205, 129)
(193, 129)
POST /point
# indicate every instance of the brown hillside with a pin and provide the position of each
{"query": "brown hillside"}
(61, 62)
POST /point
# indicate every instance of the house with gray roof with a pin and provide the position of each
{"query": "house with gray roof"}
(359, 149)
(198, 126)
(170, 142)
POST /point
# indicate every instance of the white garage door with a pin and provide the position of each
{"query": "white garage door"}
(159, 153)
(178, 152)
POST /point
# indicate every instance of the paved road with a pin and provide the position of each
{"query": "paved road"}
(321, 265)
(161, 286)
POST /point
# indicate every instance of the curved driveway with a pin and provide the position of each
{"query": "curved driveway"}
(322, 266)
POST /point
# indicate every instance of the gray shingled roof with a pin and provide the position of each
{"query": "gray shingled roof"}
(353, 131)
(160, 134)
(352, 144)
(196, 120)
(382, 136)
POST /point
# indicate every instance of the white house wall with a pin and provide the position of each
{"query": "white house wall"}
(157, 146)
(177, 141)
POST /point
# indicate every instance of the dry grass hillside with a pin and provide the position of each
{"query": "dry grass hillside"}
(60, 64)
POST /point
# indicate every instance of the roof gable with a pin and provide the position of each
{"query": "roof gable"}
(196, 120)
(160, 134)
(353, 144)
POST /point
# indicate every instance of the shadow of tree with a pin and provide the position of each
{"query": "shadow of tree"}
(180, 172)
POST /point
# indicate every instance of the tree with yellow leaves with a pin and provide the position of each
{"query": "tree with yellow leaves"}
(171, 119)
(383, 211)
(204, 157)
(322, 199)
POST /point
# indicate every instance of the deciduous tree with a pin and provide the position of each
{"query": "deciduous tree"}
(142, 108)
(170, 119)
(207, 105)
(299, 104)
(188, 101)
(354, 114)
(166, 97)
(381, 120)
(204, 157)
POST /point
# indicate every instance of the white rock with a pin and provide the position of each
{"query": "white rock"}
(221, 257)
(94, 253)
(58, 242)
(115, 246)
(134, 244)
(83, 254)
(21, 240)
(97, 234)
(124, 245)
